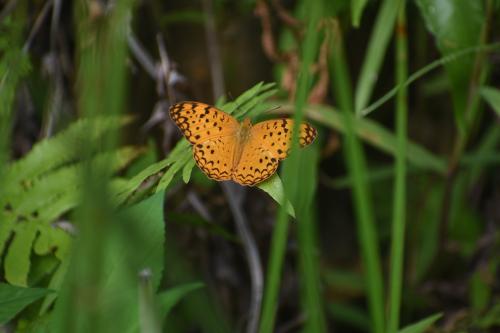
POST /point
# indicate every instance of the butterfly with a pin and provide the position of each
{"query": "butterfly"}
(226, 149)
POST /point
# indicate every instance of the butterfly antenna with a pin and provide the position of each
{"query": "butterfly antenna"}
(274, 108)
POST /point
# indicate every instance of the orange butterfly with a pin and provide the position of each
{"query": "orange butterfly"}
(225, 149)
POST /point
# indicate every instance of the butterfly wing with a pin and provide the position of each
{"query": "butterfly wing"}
(215, 157)
(212, 133)
(200, 122)
(269, 142)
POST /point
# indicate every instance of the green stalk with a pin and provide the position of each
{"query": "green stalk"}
(280, 235)
(399, 200)
(379, 40)
(356, 165)
(312, 304)
(274, 269)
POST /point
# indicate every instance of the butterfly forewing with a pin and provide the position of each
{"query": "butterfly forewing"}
(200, 122)
(268, 143)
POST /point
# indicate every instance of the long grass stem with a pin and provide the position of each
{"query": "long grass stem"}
(356, 165)
(399, 197)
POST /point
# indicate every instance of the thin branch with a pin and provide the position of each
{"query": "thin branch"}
(56, 12)
(214, 56)
(38, 23)
(320, 89)
(9, 7)
(267, 39)
(55, 72)
(142, 56)
(165, 67)
(199, 206)
(290, 21)
(234, 194)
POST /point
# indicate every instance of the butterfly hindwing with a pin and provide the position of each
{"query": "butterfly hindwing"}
(215, 157)
(269, 143)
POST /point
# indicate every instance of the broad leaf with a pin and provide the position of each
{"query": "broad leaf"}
(168, 299)
(13, 299)
(445, 20)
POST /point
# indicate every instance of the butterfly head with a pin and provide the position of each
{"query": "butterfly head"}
(246, 123)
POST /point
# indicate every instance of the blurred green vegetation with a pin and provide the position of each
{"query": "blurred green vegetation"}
(388, 222)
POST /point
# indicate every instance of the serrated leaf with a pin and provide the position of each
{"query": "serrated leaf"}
(186, 171)
(37, 195)
(130, 186)
(55, 152)
(17, 260)
(172, 171)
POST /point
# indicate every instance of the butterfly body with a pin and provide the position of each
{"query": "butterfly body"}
(225, 149)
(242, 137)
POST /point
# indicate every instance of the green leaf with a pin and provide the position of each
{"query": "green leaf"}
(186, 172)
(249, 99)
(17, 260)
(374, 134)
(145, 220)
(14, 299)
(168, 299)
(350, 315)
(421, 325)
(492, 96)
(379, 40)
(134, 244)
(445, 20)
(58, 151)
(33, 208)
(274, 187)
(128, 188)
(172, 171)
(357, 8)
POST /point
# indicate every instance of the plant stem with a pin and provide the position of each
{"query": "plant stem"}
(356, 165)
(290, 171)
(399, 199)
(379, 40)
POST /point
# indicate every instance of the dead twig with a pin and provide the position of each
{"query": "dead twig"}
(214, 56)
(142, 56)
(234, 193)
(9, 7)
(36, 26)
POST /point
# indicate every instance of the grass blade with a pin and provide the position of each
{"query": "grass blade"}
(399, 197)
(376, 50)
(278, 243)
(356, 165)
